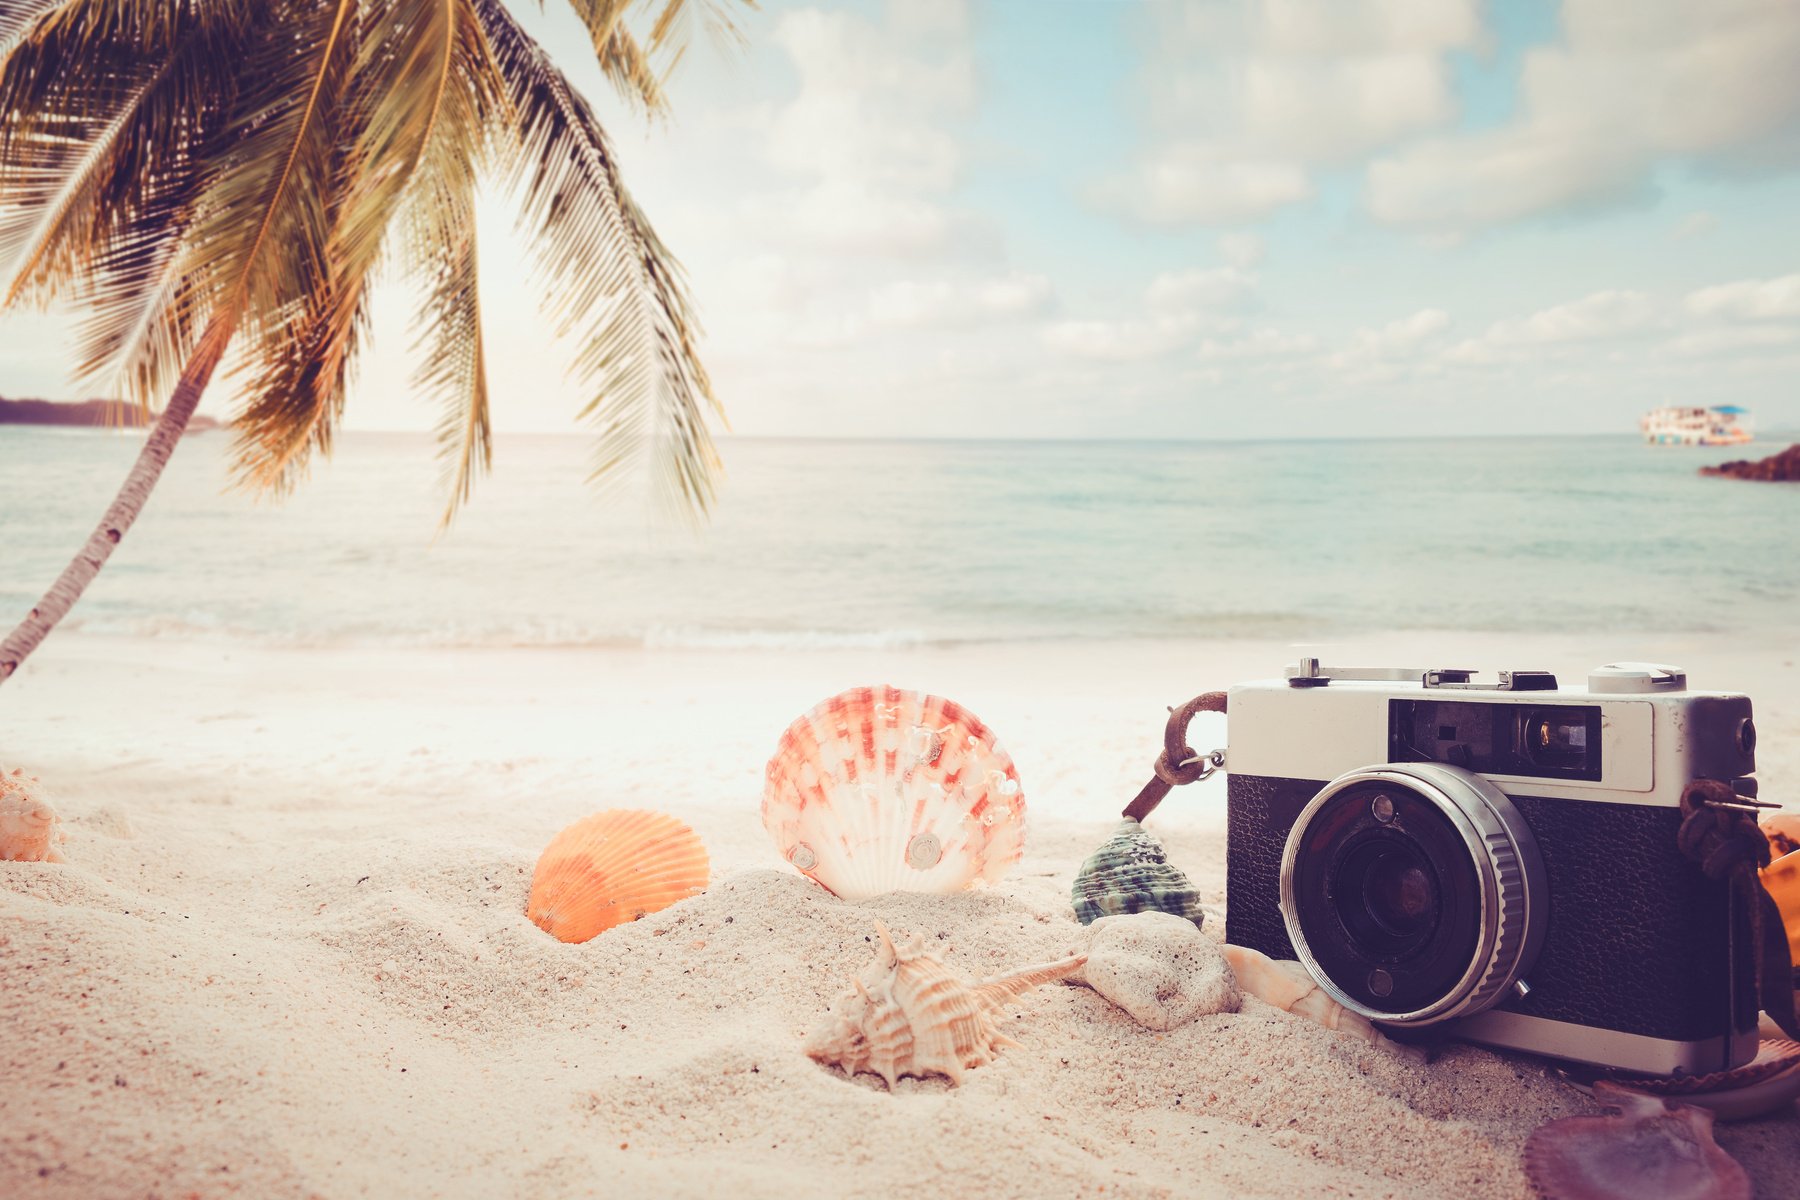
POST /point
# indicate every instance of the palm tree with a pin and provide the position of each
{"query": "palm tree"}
(223, 181)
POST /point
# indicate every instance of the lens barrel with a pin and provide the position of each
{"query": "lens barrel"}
(1413, 892)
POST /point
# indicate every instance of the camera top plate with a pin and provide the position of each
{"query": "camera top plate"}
(1308, 672)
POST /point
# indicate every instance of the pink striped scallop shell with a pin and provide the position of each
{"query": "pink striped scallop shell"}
(882, 790)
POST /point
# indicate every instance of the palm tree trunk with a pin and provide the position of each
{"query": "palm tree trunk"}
(124, 510)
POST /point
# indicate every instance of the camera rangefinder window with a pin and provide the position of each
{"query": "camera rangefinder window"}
(1550, 742)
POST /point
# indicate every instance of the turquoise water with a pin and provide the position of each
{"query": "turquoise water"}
(873, 543)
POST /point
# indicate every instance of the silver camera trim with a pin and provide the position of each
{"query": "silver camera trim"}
(1511, 873)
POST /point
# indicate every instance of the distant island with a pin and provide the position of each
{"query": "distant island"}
(101, 414)
(1777, 468)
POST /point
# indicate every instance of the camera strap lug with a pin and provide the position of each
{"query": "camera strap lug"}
(1179, 762)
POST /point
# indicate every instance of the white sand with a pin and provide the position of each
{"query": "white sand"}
(289, 955)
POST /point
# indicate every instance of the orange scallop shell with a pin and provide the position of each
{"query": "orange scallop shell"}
(611, 868)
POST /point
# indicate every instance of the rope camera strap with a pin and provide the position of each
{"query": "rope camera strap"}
(1725, 842)
(1179, 762)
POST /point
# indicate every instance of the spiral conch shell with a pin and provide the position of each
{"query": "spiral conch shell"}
(29, 830)
(611, 868)
(908, 1015)
(1131, 874)
(881, 790)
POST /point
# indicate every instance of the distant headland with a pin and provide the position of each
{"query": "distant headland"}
(102, 414)
(1777, 468)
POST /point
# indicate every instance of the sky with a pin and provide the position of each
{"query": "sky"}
(1184, 219)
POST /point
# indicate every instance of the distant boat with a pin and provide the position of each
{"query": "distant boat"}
(1720, 425)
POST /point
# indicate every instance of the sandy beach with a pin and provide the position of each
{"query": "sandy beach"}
(288, 955)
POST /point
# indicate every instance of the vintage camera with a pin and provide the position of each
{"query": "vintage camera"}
(1497, 861)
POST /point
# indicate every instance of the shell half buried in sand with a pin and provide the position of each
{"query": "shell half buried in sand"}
(907, 1014)
(880, 790)
(29, 829)
(1651, 1148)
(611, 868)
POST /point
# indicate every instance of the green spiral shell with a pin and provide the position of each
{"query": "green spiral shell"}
(1131, 873)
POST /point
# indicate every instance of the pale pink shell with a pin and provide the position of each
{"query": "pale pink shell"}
(1652, 1148)
(880, 790)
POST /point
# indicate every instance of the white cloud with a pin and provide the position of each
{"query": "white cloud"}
(1211, 289)
(1335, 110)
(1608, 314)
(1246, 100)
(1242, 250)
(1117, 341)
(870, 131)
(1367, 27)
(1599, 317)
(1696, 223)
(1258, 345)
(1178, 307)
(1748, 299)
(944, 302)
(1735, 340)
(1377, 353)
(1195, 182)
(1632, 84)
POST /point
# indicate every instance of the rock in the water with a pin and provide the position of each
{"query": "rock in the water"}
(1132, 873)
(1777, 468)
(1159, 968)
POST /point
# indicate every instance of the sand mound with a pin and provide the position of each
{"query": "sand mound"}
(397, 1024)
(295, 963)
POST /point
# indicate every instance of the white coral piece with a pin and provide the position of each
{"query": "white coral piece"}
(1159, 968)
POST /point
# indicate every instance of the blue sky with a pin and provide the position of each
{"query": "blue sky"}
(1169, 218)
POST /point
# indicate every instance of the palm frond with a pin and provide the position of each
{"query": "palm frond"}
(422, 91)
(441, 246)
(260, 252)
(672, 31)
(134, 330)
(620, 56)
(609, 278)
(16, 16)
(68, 218)
(453, 365)
(638, 68)
(98, 171)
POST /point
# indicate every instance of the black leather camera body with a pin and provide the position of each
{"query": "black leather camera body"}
(1496, 862)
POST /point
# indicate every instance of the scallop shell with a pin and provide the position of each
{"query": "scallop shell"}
(29, 829)
(880, 790)
(1131, 873)
(1783, 832)
(909, 1015)
(1651, 1148)
(611, 868)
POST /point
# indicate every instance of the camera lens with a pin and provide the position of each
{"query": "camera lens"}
(1389, 890)
(1422, 914)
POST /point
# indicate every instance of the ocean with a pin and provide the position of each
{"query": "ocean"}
(871, 544)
